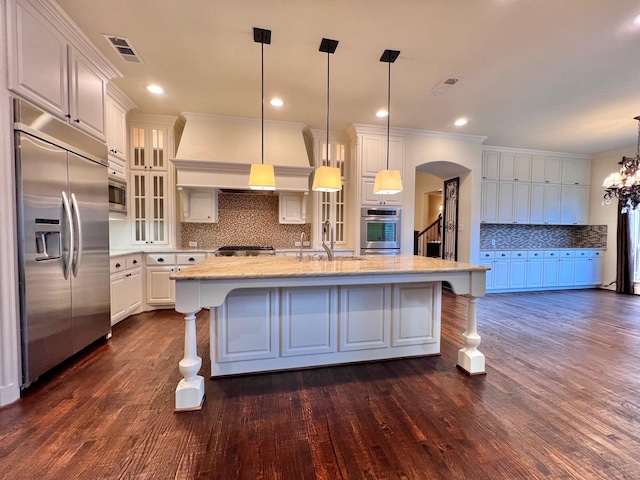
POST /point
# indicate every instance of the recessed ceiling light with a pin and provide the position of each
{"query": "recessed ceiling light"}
(460, 122)
(637, 20)
(156, 89)
(382, 113)
(276, 102)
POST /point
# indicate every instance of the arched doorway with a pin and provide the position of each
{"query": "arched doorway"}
(436, 234)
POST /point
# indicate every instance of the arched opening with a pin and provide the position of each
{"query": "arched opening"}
(436, 209)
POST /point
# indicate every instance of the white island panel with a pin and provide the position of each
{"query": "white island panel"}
(308, 320)
(364, 315)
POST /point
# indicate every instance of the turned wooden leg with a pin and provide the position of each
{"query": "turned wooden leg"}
(190, 390)
(469, 358)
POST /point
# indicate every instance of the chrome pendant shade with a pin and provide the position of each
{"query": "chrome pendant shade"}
(327, 178)
(387, 181)
(261, 176)
(625, 184)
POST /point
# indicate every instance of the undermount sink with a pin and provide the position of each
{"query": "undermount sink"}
(347, 258)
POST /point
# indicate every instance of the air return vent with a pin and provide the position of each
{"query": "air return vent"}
(443, 86)
(124, 48)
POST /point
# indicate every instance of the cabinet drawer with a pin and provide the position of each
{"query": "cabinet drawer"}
(518, 254)
(134, 261)
(567, 254)
(597, 254)
(534, 254)
(486, 255)
(117, 264)
(552, 254)
(161, 259)
(502, 255)
(190, 258)
(582, 253)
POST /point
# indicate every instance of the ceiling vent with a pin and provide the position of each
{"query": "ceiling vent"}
(443, 86)
(124, 48)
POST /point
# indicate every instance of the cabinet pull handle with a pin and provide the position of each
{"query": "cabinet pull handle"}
(118, 265)
(191, 259)
(502, 255)
(77, 120)
(161, 259)
(135, 261)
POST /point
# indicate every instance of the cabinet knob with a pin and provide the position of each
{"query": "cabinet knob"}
(552, 254)
(191, 259)
(502, 255)
(77, 120)
(118, 265)
(135, 261)
(161, 259)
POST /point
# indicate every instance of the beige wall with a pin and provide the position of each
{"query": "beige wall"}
(466, 152)
(425, 183)
(601, 166)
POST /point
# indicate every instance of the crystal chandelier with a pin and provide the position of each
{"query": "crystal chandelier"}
(625, 185)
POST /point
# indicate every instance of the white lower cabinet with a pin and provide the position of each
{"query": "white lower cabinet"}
(294, 327)
(542, 269)
(160, 266)
(535, 266)
(518, 270)
(126, 286)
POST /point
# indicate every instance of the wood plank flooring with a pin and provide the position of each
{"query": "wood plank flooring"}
(561, 400)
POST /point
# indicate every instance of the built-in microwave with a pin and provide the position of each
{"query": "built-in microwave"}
(117, 195)
(380, 231)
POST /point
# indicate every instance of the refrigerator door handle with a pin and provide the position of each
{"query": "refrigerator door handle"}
(77, 254)
(67, 210)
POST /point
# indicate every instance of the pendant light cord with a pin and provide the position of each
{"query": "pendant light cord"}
(328, 154)
(262, 92)
(388, 112)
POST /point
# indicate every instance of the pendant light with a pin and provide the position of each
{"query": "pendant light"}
(388, 181)
(261, 176)
(327, 178)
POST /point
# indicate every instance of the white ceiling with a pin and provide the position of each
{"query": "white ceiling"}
(558, 75)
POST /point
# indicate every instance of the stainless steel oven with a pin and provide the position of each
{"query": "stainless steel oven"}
(117, 196)
(380, 229)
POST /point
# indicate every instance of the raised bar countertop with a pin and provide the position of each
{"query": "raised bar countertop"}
(275, 267)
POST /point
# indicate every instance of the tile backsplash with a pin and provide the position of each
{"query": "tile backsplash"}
(244, 219)
(542, 236)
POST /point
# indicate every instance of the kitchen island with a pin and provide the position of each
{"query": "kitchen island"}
(274, 313)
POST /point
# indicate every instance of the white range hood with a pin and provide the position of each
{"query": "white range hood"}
(217, 152)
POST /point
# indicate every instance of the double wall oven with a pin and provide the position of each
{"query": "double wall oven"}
(380, 229)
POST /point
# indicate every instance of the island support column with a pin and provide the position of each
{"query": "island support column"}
(190, 390)
(470, 359)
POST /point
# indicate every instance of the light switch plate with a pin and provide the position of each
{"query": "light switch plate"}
(193, 244)
(297, 244)
(306, 244)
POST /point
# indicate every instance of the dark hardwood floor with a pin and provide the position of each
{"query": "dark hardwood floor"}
(561, 400)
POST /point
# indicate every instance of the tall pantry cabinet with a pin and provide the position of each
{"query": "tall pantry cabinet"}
(151, 192)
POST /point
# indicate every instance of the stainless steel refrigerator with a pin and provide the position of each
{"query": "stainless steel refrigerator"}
(63, 235)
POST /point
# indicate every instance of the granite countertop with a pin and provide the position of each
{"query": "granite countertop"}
(273, 267)
(120, 253)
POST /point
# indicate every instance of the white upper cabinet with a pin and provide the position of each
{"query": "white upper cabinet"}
(374, 153)
(490, 165)
(546, 169)
(48, 69)
(575, 171)
(292, 207)
(515, 167)
(149, 147)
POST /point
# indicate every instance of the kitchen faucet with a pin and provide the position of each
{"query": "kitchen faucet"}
(329, 251)
(301, 244)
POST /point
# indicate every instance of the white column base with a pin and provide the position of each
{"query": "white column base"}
(190, 394)
(471, 361)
